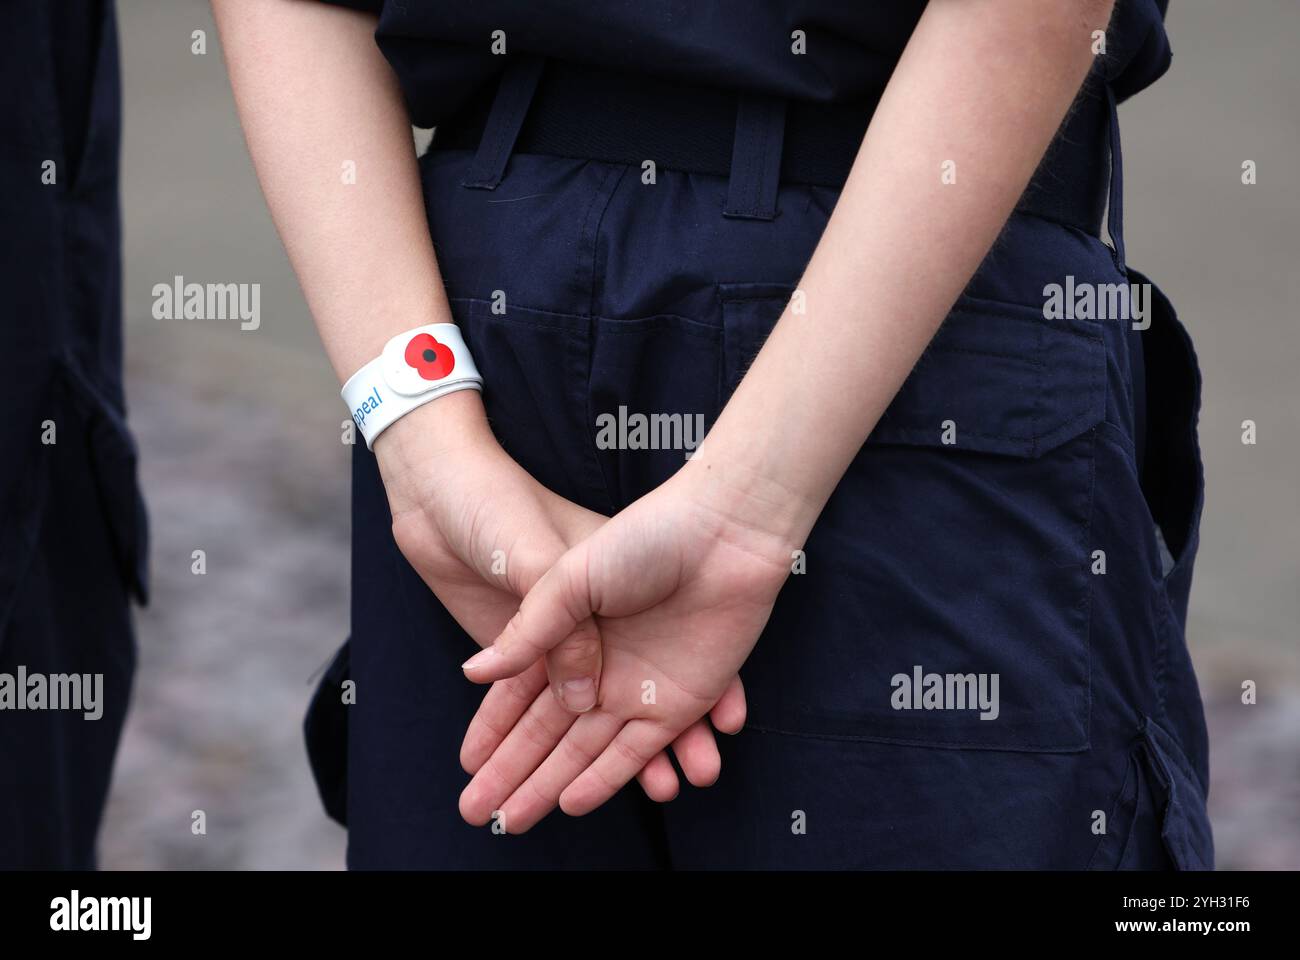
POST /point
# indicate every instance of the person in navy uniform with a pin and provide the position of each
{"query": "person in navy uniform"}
(919, 598)
(72, 522)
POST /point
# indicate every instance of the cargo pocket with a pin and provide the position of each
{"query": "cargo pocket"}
(113, 458)
(942, 599)
(1184, 824)
(535, 367)
(325, 729)
(1158, 819)
(1173, 484)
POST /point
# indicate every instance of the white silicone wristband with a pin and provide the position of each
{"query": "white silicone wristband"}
(417, 366)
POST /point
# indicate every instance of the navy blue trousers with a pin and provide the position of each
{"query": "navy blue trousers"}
(73, 535)
(1026, 548)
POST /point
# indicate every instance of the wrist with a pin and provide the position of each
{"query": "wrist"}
(434, 437)
(789, 431)
(415, 368)
(742, 492)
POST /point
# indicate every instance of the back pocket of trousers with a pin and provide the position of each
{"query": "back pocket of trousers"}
(535, 366)
(942, 598)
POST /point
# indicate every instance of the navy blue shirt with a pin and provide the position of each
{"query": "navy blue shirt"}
(442, 52)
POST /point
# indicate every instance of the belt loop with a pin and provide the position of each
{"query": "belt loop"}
(756, 158)
(1115, 196)
(506, 118)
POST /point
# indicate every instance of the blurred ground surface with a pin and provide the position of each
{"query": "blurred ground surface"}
(227, 657)
(241, 452)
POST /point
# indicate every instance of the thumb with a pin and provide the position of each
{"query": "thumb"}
(573, 668)
(551, 611)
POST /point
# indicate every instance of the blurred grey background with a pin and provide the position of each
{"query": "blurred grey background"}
(240, 435)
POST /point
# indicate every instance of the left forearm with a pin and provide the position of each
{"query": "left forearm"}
(983, 84)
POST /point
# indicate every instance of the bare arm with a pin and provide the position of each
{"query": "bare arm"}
(315, 94)
(983, 83)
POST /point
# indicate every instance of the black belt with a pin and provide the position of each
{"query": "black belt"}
(572, 111)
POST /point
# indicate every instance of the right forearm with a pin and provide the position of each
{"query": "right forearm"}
(331, 142)
(319, 103)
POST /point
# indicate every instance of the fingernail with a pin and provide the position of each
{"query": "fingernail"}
(480, 659)
(578, 695)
